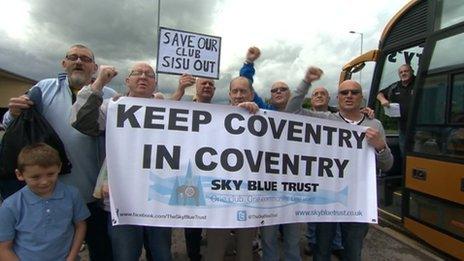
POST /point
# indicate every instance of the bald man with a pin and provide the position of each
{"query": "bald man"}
(204, 92)
(240, 94)
(349, 100)
(320, 102)
(280, 93)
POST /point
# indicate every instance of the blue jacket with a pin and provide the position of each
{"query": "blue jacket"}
(248, 71)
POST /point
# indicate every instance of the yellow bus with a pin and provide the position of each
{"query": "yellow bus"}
(426, 194)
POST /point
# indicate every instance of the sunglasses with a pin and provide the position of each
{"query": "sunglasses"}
(280, 89)
(346, 92)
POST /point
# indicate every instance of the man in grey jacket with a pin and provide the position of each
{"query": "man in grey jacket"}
(349, 102)
(89, 117)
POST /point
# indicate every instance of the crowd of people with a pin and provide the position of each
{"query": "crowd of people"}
(50, 217)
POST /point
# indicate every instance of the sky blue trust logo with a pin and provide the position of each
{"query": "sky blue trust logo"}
(241, 215)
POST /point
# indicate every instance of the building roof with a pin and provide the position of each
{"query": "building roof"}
(8, 74)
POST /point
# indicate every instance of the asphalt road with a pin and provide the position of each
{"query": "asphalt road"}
(379, 244)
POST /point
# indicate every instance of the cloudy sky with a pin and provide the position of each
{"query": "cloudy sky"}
(291, 35)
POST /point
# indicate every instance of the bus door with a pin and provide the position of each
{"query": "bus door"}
(390, 184)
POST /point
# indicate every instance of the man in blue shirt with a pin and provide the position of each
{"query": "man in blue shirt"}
(280, 92)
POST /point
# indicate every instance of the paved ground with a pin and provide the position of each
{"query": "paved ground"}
(380, 244)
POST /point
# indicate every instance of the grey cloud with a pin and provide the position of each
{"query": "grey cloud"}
(122, 32)
(119, 33)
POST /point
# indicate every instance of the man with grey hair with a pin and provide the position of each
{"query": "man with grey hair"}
(400, 92)
(320, 100)
(241, 95)
(204, 92)
(89, 117)
(56, 96)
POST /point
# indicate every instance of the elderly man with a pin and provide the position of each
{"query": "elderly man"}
(204, 88)
(241, 95)
(204, 92)
(280, 94)
(400, 92)
(57, 96)
(89, 117)
(349, 101)
(320, 100)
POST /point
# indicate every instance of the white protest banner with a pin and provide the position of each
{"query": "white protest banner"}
(186, 52)
(183, 164)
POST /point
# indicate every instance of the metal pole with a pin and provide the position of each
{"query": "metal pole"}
(157, 31)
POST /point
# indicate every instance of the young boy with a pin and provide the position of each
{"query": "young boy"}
(45, 220)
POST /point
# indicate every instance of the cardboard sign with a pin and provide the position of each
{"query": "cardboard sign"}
(186, 52)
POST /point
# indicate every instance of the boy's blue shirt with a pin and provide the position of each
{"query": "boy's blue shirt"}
(42, 228)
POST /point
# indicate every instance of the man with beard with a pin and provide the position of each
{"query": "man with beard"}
(57, 96)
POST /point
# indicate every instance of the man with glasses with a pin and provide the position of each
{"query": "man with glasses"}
(57, 96)
(280, 93)
(349, 100)
(89, 117)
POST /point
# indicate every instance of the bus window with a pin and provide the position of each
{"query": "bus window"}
(455, 139)
(390, 76)
(433, 95)
(446, 140)
(448, 52)
(428, 140)
(365, 81)
(452, 13)
(457, 99)
(455, 143)
(394, 60)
